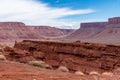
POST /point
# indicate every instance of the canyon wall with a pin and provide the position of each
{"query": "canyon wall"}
(93, 24)
(87, 30)
(11, 31)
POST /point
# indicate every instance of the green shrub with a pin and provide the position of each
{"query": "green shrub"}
(37, 64)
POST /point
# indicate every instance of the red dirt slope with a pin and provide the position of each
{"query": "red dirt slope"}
(18, 71)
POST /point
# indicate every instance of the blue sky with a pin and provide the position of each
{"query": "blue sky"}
(103, 8)
(58, 13)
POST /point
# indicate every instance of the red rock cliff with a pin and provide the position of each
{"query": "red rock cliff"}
(94, 24)
(88, 30)
(115, 20)
(85, 57)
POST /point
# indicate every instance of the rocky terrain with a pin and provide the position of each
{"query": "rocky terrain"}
(81, 61)
(76, 56)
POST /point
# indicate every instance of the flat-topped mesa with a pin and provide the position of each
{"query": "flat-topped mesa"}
(115, 20)
(11, 24)
(94, 24)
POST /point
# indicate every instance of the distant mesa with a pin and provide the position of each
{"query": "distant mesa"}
(94, 24)
(11, 24)
(115, 20)
(100, 32)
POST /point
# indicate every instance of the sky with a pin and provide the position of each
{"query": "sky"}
(67, 14)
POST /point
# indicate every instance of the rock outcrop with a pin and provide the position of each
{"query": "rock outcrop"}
(115, 20)
(85, 57)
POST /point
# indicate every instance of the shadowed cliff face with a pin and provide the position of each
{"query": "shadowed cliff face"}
(115, 20)
(85, 57)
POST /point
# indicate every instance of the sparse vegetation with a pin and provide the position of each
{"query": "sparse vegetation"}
(78, 41)
(107, 73)
(63, 69)
(37, 64)
(2, 57)
(40, 64)
(94, 73)
(79, 73)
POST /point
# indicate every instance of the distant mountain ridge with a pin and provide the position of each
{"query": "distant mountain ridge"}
(11, 31)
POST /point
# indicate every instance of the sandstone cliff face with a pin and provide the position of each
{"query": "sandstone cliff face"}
(88, 30)
(76, 56)
(111, 33)
(115, 20)
(99, 32)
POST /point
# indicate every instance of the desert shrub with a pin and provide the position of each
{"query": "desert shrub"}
(63, 69)
(79, 73)
(2, 57)
(40, 64)
(94, 73)
(37, 64)
(107, 73)
(78, 41)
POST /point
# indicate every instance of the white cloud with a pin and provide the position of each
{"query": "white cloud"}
(32, 12)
